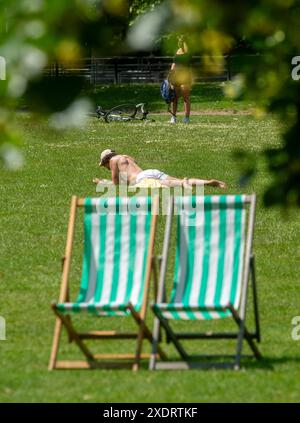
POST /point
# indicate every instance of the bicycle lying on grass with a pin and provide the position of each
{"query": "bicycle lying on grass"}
(124, 113)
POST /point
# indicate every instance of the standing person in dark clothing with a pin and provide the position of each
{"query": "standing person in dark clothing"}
(181, 78)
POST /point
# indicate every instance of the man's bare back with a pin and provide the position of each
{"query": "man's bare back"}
(125, 167)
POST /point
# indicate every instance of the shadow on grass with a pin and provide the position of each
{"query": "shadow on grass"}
(271, 362)
(266, 363)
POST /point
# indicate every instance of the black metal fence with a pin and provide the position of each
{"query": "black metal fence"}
(119, 70)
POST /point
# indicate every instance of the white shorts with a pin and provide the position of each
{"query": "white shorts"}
(150, 173)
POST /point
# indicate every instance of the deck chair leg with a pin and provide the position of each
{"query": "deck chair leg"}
(251, 343)
(155, 278)
(255, 299)
(172, 336)
(239, 346)
(155, 338)
(243, 333)
(139, 344)
(56, 338)
(146, 332)
(73, 334)
(156, 332)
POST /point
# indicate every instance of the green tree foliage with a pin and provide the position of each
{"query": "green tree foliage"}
(139, 7)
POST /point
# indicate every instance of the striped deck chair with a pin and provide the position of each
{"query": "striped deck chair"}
(116, 271)
(213, 263)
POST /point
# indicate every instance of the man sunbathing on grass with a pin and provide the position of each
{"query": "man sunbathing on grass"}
(125, 170)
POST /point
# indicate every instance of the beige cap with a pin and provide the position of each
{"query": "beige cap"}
(106, 155)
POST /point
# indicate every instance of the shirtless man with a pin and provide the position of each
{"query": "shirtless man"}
(125, 170)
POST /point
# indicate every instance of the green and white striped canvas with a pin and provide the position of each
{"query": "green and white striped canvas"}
(116, 238)
(209, 257)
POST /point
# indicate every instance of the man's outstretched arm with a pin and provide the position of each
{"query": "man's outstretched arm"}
(213, 183)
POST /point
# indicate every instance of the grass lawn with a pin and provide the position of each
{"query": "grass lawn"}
(204, 97)
(33, 222)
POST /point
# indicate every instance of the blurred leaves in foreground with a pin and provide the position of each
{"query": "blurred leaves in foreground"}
(36, 33)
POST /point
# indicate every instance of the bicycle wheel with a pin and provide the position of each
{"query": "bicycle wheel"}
(122, 113)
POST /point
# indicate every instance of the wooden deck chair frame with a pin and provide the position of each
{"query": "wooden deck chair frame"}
(190, 361)
(108, 360)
